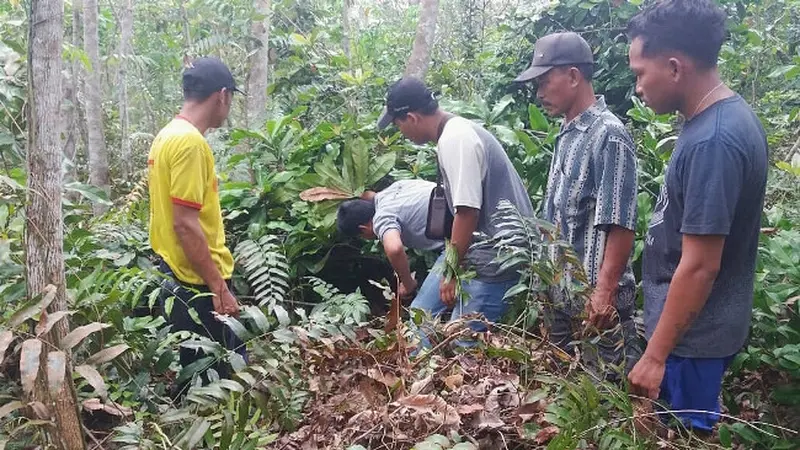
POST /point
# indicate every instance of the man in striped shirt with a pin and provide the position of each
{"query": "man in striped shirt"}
(591, 196)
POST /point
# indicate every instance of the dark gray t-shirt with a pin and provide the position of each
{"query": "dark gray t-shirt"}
(714, 185)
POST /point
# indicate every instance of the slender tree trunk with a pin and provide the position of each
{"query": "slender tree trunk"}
(74, 116)
(187, 36)
(346, 27)
(126, 32)
(420, 58)
(258, 76)
(98, 154)
(44, 259)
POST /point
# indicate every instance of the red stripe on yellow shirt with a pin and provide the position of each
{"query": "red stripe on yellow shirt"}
(187, 203)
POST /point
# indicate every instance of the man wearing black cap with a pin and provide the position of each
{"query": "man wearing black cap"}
(186, 228)
(477, 175)
(591, 195)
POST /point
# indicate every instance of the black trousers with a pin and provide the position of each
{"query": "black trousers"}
(197, 297)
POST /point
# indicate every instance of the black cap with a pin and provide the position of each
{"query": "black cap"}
(407, 95)
(558, 49)
(208, 75)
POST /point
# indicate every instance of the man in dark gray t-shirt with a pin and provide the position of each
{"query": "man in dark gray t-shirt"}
(701, 246)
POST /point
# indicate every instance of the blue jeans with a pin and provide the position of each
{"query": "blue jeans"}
(694, 384)
(482, 297)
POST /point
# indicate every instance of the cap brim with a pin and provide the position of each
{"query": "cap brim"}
(533, 72)
(385, 119)
(240, 91)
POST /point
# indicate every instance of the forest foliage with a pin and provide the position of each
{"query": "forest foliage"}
(322, 373)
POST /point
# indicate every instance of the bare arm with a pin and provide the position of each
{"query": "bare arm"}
(688, 292)
(464, 224)
(393, 246)
(194, 244)
(619, 243)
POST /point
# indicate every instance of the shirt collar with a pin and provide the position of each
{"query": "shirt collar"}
(586, 119)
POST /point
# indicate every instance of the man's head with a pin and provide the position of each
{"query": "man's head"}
(411, 106)
(354, 218)
(563, 66)
(672, 43)
(209, 82)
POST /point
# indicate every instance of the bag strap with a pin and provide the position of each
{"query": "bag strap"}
(447, 117)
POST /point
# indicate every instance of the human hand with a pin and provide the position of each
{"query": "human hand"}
(646, 377)
(601, 309)
(447, 292)
(225, 303)
(406, 291)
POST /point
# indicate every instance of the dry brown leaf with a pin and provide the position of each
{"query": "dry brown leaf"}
(545, 434)
(29, 363)
(386, 378)
(466, 410)
(504, 396)
(423, 386)
(6, 337)
(454, 382)
(441, 412)
(528, 411)
(487, 421)
(40, 410)
(318, 194)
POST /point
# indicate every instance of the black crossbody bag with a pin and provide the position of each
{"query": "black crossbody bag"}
(439, 225)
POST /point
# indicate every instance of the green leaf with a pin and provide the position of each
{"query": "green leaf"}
(91, 193)
(194, 434)
(379, 168)
(725, 436)
(359, 153)
(537, 119)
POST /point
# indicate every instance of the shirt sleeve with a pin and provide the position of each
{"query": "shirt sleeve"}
(383, 223)
(462, 161)
(187, 174)
(711, 176)
(615, 170)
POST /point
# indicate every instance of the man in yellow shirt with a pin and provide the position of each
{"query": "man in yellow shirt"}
(186, 228)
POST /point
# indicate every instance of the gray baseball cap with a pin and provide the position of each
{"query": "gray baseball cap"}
(558, 49)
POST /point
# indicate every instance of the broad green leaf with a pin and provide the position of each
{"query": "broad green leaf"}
(537, 119)
(359, 152)
(725, 436)
(281, 314)
(255, 314)
(238, 329)
(93, 377)
(107, 354)
(56, 371)
(91, 193)
(29, 364)
(77, 335)
(194, 434)
(379, 168)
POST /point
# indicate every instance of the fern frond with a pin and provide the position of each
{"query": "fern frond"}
(267, 271)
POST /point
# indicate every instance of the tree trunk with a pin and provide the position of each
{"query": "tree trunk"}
(346, 26)
(73, 116)
(423, 42)
(187, 36)
(258, 77)
(44, 258)
(126, 32)
(98, 154)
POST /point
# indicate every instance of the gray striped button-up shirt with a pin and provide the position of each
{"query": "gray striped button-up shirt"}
(591, 186)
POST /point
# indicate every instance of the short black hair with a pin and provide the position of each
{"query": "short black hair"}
(194, 96)
(586, 70)
(352, 214)
(693, 27)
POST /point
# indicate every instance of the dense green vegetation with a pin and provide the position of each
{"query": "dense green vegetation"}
(322, 372)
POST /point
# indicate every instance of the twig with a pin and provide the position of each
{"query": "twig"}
(447, 340)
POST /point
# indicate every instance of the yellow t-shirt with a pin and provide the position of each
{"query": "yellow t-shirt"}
(181, 171)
